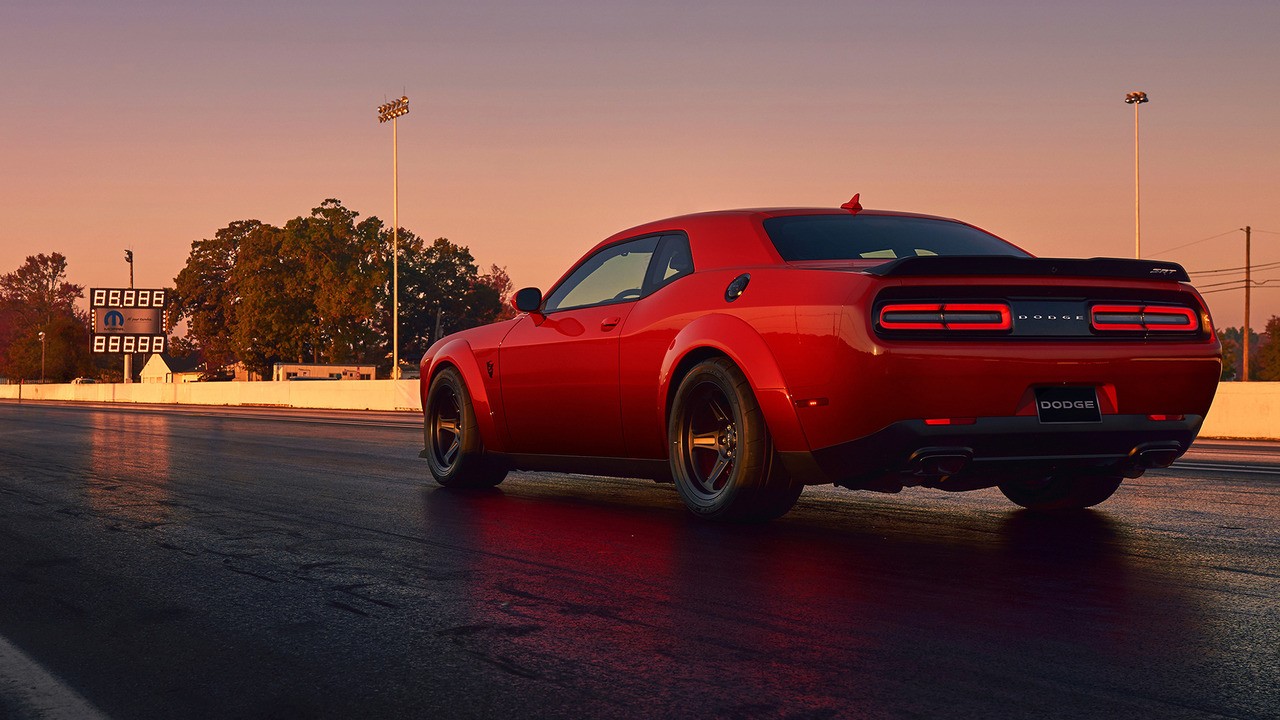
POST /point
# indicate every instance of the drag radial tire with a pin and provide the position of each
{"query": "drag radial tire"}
(453, 447)
(1065, 491)
(722, 457)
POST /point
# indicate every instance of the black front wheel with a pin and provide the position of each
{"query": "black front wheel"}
(454, 450)
(1064, 491)
(722, 456)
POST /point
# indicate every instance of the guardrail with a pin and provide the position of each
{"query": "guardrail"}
(1240, 410)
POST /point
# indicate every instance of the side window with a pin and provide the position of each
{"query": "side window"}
(672, 260)
(615, 274)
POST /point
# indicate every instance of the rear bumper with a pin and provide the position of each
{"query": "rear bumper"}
(992, 450)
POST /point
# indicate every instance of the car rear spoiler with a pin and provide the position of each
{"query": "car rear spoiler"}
(969, 265)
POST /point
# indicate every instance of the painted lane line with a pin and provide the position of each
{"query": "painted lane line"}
(1227, 468)
(31, 692)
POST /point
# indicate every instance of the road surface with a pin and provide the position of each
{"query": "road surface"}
(261, 564)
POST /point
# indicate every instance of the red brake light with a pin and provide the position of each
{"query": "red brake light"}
(945, 316)
(1156, 318)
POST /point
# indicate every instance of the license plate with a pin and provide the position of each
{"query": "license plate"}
(1067, 405)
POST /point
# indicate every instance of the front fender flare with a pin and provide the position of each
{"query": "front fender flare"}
(457, 353)
(733, 337)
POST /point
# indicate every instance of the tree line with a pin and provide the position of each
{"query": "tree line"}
(319, 289)
(37, 298)
(1264, 352)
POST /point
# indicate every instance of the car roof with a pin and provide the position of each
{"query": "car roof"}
(733, 238)
(757, 214)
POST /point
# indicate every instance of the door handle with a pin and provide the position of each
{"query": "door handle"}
(608, 324)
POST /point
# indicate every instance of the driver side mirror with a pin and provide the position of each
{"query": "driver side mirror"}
(528, 300)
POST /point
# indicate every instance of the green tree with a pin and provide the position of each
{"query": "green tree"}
(344, 264)
(498, 279)
(275, 310)
(205, 293)
(442, 291)
(1230, 356)
(1269, 352)
(1236, 336)
(319, 289)
(37, 298)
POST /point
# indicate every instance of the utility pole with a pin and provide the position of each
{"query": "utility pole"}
(1248, 282)
(128, 357)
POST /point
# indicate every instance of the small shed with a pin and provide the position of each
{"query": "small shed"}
(164, 368)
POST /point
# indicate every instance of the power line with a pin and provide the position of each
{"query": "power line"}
(1265, 266)
(1256, 286)
(1197, 242)
(1227, 282)
(1237, 280)
(1269, 232)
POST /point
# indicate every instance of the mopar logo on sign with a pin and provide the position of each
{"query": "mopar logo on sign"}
(115, 318)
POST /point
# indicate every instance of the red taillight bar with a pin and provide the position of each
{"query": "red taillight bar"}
(1158, 318)
(912, 317)
(945, 316)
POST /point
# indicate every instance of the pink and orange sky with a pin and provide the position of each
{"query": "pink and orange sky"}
(537, 129)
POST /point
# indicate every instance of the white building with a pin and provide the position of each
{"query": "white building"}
(164, 368)
(321, 371)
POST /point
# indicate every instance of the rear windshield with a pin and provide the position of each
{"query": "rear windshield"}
(875, 237)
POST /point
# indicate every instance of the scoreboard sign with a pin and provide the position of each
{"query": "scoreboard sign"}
(128, 320)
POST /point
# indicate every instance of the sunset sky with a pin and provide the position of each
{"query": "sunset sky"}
(538, 128)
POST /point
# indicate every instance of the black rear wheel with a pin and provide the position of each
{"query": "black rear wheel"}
(722, 457)
(454, 450)
(1063, 491)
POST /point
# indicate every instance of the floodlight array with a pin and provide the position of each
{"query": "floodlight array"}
(393, 109)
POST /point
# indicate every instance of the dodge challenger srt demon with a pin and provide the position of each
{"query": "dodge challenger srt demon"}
(745, 354)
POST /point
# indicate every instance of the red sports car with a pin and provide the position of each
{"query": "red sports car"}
(745, 354)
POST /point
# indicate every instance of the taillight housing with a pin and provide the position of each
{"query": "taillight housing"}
(943, 317)
(1143, 318)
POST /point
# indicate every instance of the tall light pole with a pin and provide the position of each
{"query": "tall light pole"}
(128, 357)
(390, 111)
(41, 357)
(1135, 99)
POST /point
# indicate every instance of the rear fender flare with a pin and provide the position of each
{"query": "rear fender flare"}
(458, 354)
(734, 338)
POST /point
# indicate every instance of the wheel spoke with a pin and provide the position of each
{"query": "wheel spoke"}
(448, 425)
(452, 452)
(706, 441)
(718, 471)
(718, 410)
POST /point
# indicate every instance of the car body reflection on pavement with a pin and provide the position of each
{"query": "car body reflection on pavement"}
(823, 614)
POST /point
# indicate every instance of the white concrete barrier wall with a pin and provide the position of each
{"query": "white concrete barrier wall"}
(1244, 410)
(1240, 410)
(333, 395)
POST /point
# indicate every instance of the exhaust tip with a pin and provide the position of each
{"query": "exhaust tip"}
(939, 461)
(1156, 455)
